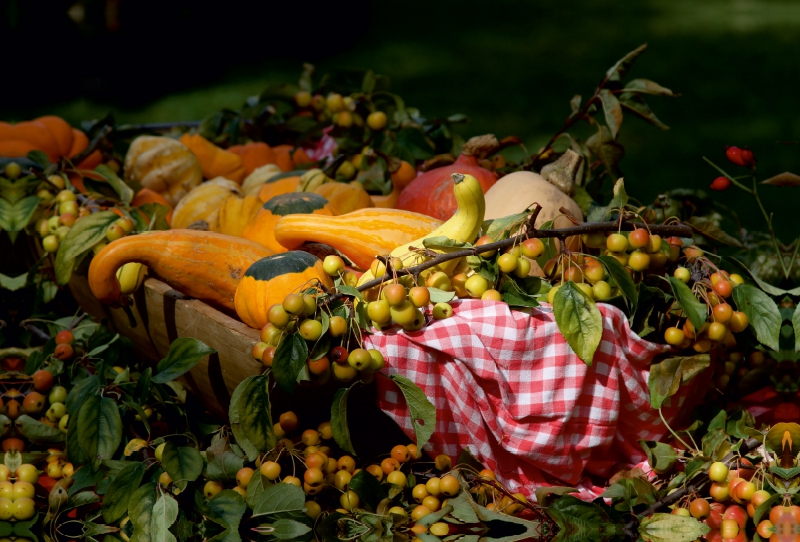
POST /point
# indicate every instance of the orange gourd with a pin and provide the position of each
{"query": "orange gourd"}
(260, 229)
(49, 134)
(283, 157)
(254, 155)
(204, 265)
(432, 192)
(344, 197)
(216, 162)
(277, 187)
(271, 279)
(360, 235)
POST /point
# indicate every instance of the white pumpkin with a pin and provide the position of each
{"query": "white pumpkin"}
(517, 191)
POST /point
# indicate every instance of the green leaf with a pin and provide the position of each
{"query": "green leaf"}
(350, 291)
(255, 420)
(579, 320)
(710, 230)
(15, 216)
(140, 509)
(222, 463)
(712, 440)
(184, 353)
(255, 488)
(543, 492)
(671, 528)
(636, 104)
(440, 296)
(499, 228)
(422, 410)
(233, 416)
(181, 463)
(578, 520)
(761, 311)
(120, 491)
(82, 390)
(289, 529)
(622, 278)
(618, 71)
(667, 375)
(280, 498)
(125, 192)
(550, 249)
(368, 489)
(796, 326)
(164, 514)
(37, 432)
(765, 507)
(155, 217)
(443, 243)
(12, 284)
(227, 509)
(612, 111)
(290, 357)
(99, 427)
(660, 456)
(514, 296)
(647, 86)
(87, 232)
(696, 311)
(768, 288)
(339, 427)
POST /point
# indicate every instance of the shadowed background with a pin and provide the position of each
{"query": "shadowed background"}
(510, 66)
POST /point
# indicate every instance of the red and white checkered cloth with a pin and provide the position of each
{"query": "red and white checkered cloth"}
(506, 385)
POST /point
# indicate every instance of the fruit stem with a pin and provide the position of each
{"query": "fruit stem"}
(674, 434)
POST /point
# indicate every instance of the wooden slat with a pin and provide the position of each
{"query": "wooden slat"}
(169, 316)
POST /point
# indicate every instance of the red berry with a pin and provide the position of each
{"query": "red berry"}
(339, 354)
(720, 184)
(734, 154)
(747, 157)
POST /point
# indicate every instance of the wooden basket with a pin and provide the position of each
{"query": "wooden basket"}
(162, 315)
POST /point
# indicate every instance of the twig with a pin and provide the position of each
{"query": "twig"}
(35, 330)
(561, 233)
(747, 446)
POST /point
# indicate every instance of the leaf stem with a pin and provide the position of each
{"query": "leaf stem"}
(674, 434)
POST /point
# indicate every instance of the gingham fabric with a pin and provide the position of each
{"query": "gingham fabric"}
(506, 385)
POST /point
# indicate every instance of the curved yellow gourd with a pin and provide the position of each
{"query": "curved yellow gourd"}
(462, 227)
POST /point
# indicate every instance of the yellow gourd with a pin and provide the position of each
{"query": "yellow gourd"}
(204, 203)
(343, 197)
(164, 166)
(236, 213)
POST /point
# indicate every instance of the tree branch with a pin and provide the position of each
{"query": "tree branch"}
(561, 233)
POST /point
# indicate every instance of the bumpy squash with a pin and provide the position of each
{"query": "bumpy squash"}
(260, 229)
(360, 235)
(343, 197)
(204, 202)
(253, 182)
(236, 213)
(254, 155)
(216, 162)
(205, 265)
(163, 165)
(271, 279)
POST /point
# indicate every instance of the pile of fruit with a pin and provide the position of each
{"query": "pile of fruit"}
(317, 214)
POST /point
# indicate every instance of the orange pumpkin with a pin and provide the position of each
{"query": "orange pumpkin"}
(389, 201)
(277, 186)
(344, 197)
(283, 157)
(49, 134)
(270, 279)
(254, 155)
(216, 162)
(262, 228)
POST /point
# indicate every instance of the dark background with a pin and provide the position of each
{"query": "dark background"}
(511, 66)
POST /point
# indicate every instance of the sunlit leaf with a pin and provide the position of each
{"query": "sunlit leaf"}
(423, 413)
(696, 311)
(612, 111)
(579, 320)
(762, 313)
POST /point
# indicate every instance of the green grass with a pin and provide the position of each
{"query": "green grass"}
(513, 66)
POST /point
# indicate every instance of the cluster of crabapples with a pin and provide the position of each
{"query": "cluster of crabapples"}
(300, 313)
(304, 459)
(730, 507)
(725, 321)
(61, 210)
(17, 492)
